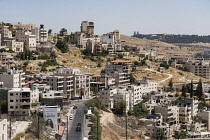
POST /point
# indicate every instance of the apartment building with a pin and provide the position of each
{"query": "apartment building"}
(204, 116)
(7, 60)
(93, 45)
(43, 35)
(99, 82)
(188, 108)
(15, 45)
(199, 68)
(27, 37)
(5, 33)
(20, 25)
(81, 81)
(87, 28)
(56, 82)
(123, 95)
(3, 129)
(20, 102)
(12, 79)
(107, 97)
(111, 38)
(90, 43)
(119, 70)
(51, 98)
(170, 113)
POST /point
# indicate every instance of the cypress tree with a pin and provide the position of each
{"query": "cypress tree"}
(184, 90)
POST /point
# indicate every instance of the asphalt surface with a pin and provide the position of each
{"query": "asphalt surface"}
(78, 117)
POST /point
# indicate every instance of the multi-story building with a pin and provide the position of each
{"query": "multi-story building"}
(7, 60)
(62, 83)
(51, 98)
(20, 102)
(12, 79)
(99, 82)
(3, 129)
(119, 70)
(123, 95)
(87, 28)
(15, 46)
(170, 113)
(188, 108)
(111, 38)
(20, 25)
(27, 37)
(89, 43)
(56, 82)
(199, 68)
(204, 116)
(81, 81)
(107, 97)
(5, 33)
(43, 35)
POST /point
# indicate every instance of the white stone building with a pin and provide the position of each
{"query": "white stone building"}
(27, 37)
(12, 79)
(15, 45)
(3, 129)
(170, 113)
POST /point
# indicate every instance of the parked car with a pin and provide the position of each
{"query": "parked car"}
(78, 127)
(70, 117)
(75, 107)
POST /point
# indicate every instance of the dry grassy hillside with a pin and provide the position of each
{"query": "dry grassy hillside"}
(160, 46)
(73, 59)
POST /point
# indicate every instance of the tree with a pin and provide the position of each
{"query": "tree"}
(40, 130)
(182, 135)
(199, 90)
(159, 134)
(63, 31)
(120, 56)
(53, 55)
(170, 84)
(184, 90)
(121, 108)
(191, 89)
(62, 46)
(132, 79)
(49, 31)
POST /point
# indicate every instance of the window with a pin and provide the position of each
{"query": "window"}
(11, 94)
(16, 107)
(11, 107)
(11, 100)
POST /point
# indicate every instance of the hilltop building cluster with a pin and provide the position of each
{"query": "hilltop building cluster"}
(29, 93)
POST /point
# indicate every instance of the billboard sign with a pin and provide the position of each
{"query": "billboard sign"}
(51, 116)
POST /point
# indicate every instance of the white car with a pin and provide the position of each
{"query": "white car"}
(70, 117)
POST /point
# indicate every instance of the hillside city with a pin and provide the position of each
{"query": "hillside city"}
(82, 86)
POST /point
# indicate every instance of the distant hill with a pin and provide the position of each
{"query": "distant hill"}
(172, 38)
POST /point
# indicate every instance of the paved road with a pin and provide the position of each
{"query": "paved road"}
(78, 118)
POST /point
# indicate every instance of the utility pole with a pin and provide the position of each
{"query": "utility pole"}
(126, 126)
(38, 126)
(97, 127)
(67, 128)
(10, 132)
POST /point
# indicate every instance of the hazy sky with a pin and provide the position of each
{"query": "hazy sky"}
(145, 16)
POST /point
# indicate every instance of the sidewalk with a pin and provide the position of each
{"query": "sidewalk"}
(65, 130)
